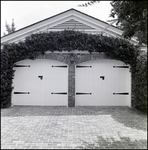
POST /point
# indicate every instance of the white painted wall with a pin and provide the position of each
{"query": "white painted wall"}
(117, 80)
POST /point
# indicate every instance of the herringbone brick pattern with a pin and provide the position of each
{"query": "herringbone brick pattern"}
(73, 128)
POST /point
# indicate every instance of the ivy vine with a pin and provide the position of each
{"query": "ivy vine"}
(67, 40)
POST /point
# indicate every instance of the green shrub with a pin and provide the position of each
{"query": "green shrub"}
(139, 76)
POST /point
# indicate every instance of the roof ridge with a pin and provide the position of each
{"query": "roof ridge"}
(57, 15)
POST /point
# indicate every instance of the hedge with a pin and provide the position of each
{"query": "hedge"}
(67, 40)
(140, 83)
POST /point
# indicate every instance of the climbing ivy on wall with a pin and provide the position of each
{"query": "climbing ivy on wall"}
(67, 40)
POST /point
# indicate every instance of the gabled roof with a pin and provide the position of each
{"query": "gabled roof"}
(70, 19)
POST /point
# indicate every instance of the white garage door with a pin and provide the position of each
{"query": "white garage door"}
(103, 82)
(40, 82)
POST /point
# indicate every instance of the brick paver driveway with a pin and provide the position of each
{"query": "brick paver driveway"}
(80, 127)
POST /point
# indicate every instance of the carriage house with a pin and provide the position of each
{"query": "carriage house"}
(70, 78)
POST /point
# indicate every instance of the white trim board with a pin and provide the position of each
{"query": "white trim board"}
(95, 26)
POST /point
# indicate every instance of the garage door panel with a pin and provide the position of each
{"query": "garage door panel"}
(59, 100)
(85, 100)
(121, 100)
(41, 79)
(20, 99)
(20, 83)
(103, 80)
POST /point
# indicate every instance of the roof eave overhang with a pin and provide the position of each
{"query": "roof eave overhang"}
(45, 25)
